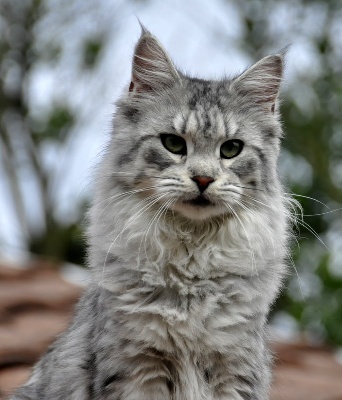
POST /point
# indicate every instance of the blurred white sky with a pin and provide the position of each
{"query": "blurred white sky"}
(203, 38)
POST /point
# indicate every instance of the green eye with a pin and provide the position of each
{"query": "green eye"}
(231, 148)
(173, 143)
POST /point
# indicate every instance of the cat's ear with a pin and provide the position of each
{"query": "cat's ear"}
(152, 68)
(261, 82)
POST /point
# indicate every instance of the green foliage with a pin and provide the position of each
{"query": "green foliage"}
(91, 51)
(327, 305)
(62, 243)
(51, 52)
(56, 126)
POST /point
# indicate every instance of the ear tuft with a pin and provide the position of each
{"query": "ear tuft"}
(261, 82)
(152, 68)
(142, 27)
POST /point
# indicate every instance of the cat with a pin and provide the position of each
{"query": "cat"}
(188, 243)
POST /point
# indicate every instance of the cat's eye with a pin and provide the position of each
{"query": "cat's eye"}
(173, 143)
(231, 148)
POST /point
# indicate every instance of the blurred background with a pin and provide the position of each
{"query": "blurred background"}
(63, 63)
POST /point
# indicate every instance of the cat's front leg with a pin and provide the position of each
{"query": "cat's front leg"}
(154, 389)
(240, 380)
(145, 378)
(233, 390)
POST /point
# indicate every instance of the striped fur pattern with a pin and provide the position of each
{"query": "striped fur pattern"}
(183, 276)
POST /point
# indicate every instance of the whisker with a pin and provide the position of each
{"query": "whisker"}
(144, 238)
(129, 222)
(173, 185)
(247, 237)
(294, 203)
(161, 211)
(256, 200)
(258, 218)
(324, 213)
(127, 193)
(152, 199)
(296, 220)
(121, 197)
(166, 208)
(247, 187)
(310, 198)
(128, 174)
(300, 283)
(313, 232)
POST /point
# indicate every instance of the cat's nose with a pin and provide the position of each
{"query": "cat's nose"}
(202, 182)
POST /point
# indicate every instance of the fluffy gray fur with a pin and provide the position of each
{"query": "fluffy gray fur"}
(182, 280)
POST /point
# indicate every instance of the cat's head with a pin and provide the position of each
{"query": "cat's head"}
(201, 148)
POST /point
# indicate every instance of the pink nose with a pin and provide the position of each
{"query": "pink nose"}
(202, 182)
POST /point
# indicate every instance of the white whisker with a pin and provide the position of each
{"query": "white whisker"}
(247, 236)
(313, 232)
(300, 283)
(122, 196)
(144, 238)
(257, 217)
(310, 198)
(129, 222)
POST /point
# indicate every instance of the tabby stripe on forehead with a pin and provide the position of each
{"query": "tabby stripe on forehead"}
(199, 115)
(207, 125)
(220, 125)
(232, 128)
(179, 123)
(192, 122)
(203, 120)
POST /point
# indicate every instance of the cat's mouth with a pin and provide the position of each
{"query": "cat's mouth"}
(199, 201)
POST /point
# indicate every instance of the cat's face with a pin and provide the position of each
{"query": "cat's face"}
(200, 148)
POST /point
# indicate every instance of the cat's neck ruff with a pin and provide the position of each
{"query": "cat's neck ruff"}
(173, 245)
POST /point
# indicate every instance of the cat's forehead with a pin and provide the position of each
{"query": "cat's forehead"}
(208, 122)
(205, 92)
(204, 111)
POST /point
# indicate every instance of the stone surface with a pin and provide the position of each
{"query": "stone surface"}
(12, 377)
(306, 372)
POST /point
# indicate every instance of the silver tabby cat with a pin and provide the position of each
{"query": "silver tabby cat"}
(188, 242)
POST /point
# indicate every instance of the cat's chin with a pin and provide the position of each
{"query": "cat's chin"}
(198, 212)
